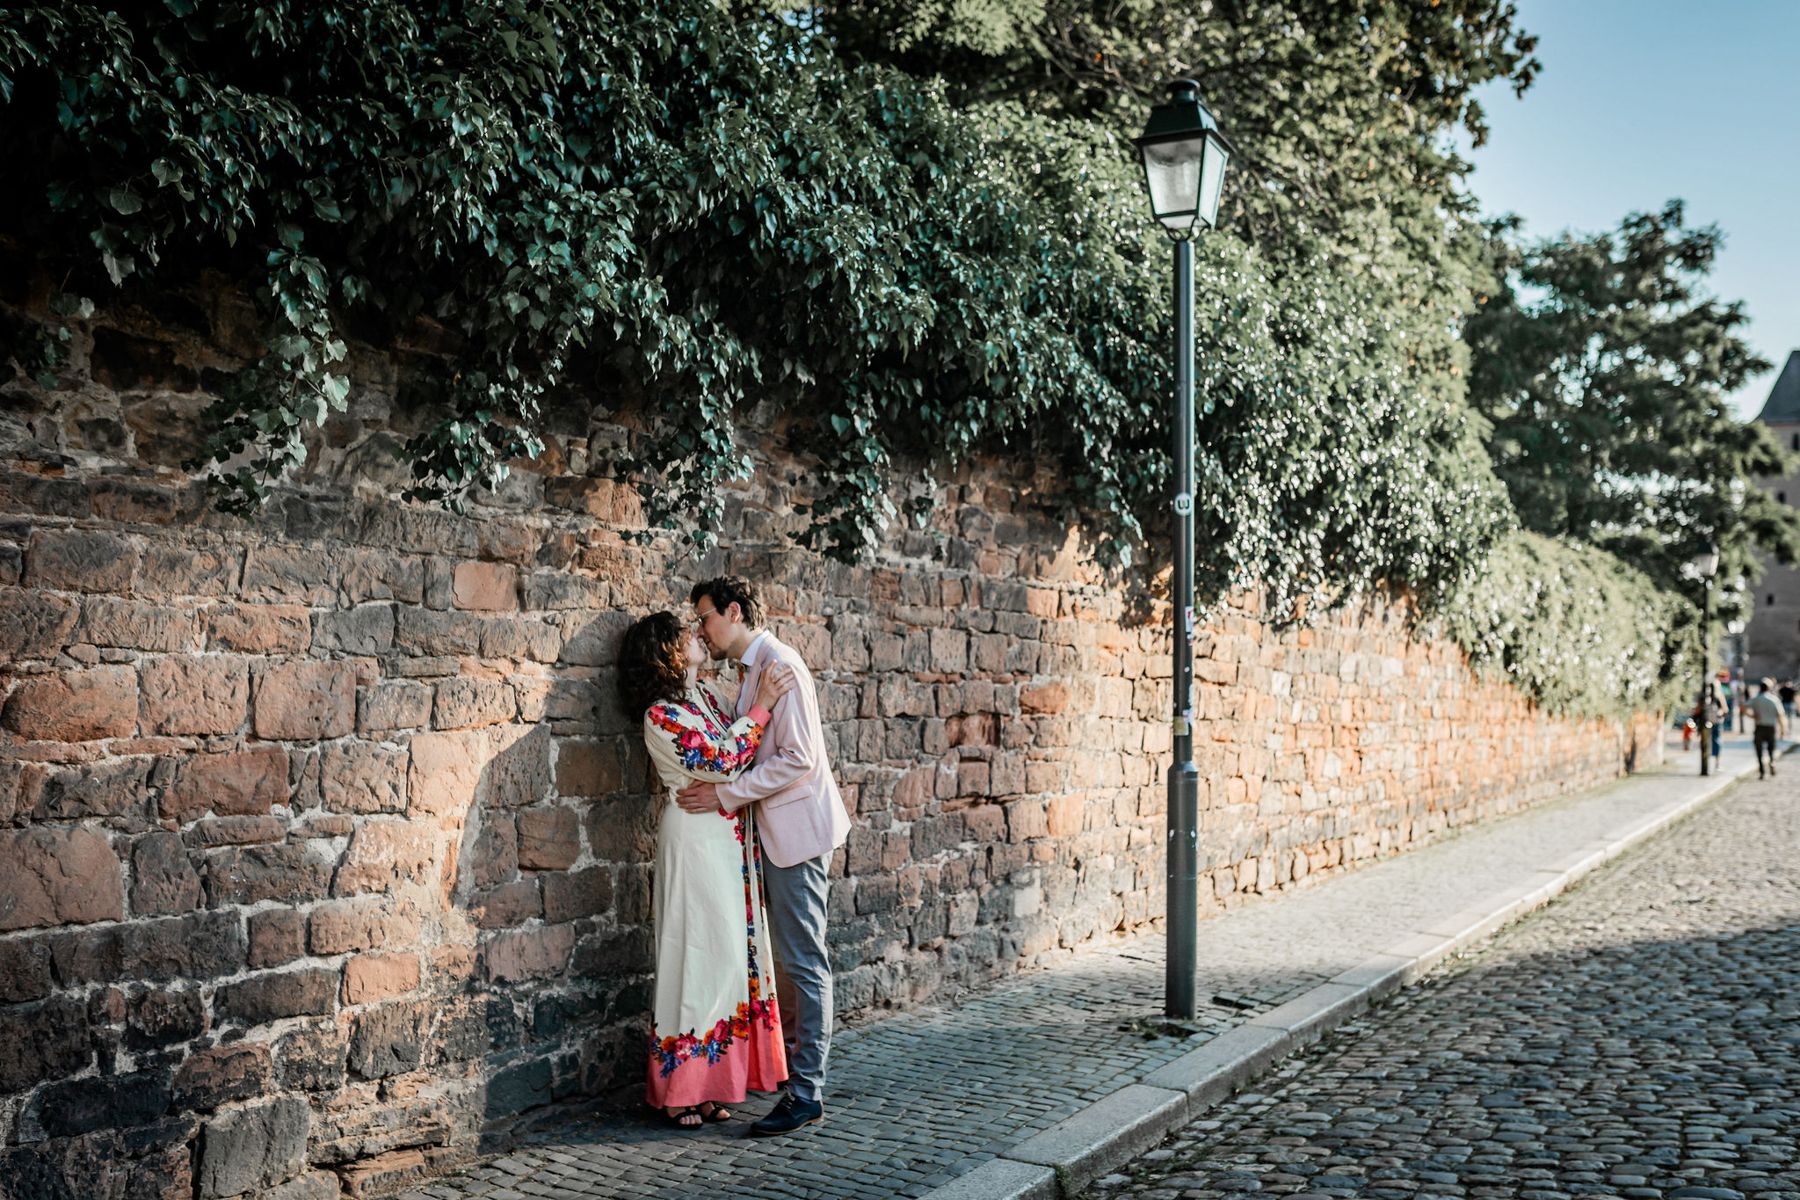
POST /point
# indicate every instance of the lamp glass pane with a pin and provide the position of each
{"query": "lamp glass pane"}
(1172, 170)
(1212, 181)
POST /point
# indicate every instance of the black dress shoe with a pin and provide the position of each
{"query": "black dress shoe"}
(791, 1114)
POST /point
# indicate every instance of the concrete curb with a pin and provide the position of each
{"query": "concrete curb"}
(1065, 1158)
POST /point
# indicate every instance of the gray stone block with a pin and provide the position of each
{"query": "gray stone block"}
(1000, 1179)
(1317, 1011)
(1104, 1134)
(1212, 1072)
(253, 1147)
(1381, 974)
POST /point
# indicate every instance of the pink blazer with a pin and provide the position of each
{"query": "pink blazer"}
(800, 814)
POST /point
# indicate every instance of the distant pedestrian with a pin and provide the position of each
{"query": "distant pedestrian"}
(1786, 692)
(1771, 722)
(1711, 713)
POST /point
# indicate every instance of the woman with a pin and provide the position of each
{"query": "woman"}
(717, 1030)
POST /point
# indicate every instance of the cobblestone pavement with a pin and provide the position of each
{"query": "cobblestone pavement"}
(1640, 1037)
(917, 1098)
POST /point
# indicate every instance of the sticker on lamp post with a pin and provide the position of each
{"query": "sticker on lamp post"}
(1184, 504)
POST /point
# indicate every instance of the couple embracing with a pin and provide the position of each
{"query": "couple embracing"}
(749, 818)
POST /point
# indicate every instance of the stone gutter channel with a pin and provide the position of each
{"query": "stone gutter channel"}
(1064, 1159)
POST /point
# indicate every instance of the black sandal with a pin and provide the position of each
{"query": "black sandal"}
(712, 1110)
(679, 1118)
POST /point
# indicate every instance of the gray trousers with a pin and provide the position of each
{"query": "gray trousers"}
(796, 909)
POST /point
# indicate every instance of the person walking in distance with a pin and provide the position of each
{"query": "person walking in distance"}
(1771, 723)
(800, 820)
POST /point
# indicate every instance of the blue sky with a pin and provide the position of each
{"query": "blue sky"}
(1641, 101)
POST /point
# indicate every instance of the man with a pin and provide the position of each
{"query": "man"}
(800, 820)
(1770, 723)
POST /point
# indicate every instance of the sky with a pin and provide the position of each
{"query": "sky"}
(1643, 101)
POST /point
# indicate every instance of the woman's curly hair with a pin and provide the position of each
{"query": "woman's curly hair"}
(653, 662)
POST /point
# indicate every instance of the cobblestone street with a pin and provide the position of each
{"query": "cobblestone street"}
(923, 1097)
(1639, 1037)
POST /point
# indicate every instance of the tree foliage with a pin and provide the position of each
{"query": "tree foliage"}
(1574, 627)
(727, 209)
(1603, 366)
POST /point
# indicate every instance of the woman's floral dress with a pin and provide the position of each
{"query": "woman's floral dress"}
(717, 1029)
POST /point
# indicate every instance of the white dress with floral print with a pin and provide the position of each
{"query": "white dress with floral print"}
(717, 1029)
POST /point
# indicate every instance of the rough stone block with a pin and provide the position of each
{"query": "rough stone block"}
(389, 1039)
(210, 833)
(136, 625)
(167, 571)
(58, 876)
(25, 969)
(116, 790)
(252, 1148)
(259, 628)
(74, 706)
(518, 774)
(494, 857)
(235, 783)
(363, 777)
(589, 768)
(426, 631)
(277, 936)
(623, 829)
(291, 575)
(162, 1017)
(369, 978)
(393, 704)
(207, 694)
(382, 575)
(79, 560)
(42, 1041)
(70, 1108)
(592, 639)
(447, 770)
(34, 624)
(468, 703)
(163, 881)
(584, 893)
(949, 650)
(305, 701)
(274, 995)
(548, 838)
(515, 956)
(220, 1074)
(521, 638)
(197, 946)
(361, 923)
(289, 873)
(490, 587)
(523, 1085)
(508, 905)
(383, 854)
(312, 1060)
(368, 629)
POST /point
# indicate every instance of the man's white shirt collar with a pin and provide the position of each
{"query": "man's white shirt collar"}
(753, 652)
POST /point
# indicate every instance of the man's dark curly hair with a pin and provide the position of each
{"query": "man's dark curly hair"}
(727, 590)
(653, 662)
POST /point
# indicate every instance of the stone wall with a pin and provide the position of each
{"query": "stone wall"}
(324, 843)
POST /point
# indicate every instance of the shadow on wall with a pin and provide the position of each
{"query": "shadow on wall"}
(365, 981)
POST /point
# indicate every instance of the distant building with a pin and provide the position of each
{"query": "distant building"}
(1772, 642)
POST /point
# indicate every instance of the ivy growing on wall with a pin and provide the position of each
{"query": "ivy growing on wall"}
(721, 207)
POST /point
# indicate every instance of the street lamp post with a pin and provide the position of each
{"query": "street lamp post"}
(1706, 565)
(1184, 157)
